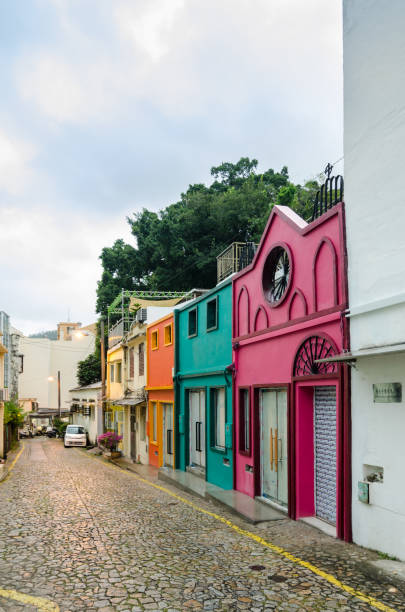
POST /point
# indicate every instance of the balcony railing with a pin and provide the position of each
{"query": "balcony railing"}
(118, 331)
(234, 258)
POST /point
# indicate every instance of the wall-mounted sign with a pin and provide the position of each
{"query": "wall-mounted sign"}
(363, 492)
(387, 393)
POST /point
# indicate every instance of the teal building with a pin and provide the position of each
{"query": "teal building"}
(203, 386)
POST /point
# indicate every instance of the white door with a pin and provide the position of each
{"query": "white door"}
(197, 428)
(168, 435)
(274, 459)
(141, 440)
(325, 452)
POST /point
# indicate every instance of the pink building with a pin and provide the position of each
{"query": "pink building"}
(292, 411)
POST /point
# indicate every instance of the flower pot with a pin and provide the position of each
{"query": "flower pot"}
(111, 454)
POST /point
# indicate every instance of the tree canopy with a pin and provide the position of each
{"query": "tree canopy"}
(176, 248)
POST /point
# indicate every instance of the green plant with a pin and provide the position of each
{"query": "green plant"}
(384, 555)
(13, 413)
(60, 426)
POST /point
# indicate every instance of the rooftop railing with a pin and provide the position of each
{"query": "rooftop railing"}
(234, 258)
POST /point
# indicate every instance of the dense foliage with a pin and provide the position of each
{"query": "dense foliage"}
(13, 413)
(89, 369)
(60, 426)
(176, 248)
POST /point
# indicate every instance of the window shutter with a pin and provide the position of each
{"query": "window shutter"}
(141, 355)
(131, 363)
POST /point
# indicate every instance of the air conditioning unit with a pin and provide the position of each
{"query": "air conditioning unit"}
(141, 315)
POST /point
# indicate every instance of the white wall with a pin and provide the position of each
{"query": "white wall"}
(43, 358)
(93, 423)
(374, 157)
(378, 440)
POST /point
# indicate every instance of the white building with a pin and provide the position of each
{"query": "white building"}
(42, 359)
(87, 409)
(374, 151)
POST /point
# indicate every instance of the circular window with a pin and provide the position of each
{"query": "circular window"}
(276, 275)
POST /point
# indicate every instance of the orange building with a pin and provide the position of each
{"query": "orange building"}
(159, 384)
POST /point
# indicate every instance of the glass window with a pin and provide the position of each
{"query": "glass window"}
(192, 322)
(218, 398)
(119, 371)
(168, 334)
(244, 419)
(111, 372)
(154, 421)
(155, 339)
(212, 312)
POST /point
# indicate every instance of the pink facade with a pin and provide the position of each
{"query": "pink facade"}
(281, 328)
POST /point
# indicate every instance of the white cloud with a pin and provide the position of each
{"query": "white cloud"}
(15, 158)
(50, 264)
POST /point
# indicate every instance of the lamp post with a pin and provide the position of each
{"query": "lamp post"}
(51, 379)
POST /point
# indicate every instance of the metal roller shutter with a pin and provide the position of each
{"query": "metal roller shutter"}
(325, 453)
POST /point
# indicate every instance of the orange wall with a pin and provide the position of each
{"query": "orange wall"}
(160, 361)
(156, 446)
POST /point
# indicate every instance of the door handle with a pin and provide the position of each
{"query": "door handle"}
(276, 449)
(271, 447)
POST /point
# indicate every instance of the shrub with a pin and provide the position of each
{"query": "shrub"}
(13, 413)
(109, 440)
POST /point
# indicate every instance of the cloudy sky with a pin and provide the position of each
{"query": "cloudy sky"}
(108, 106)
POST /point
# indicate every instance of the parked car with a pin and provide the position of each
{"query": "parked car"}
(75, 435)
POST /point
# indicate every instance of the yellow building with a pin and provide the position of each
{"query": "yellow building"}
(114, 413)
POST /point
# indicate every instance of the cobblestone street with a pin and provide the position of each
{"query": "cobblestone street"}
(86, 535)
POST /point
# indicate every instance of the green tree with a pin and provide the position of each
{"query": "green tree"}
(13, 413)
(176, 248)
(89, 369)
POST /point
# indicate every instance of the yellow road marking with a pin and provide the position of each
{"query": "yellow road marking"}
(16, 458)
(369, 599)
(39, 602)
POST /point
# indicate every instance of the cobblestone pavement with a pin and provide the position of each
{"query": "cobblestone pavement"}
(89, 536)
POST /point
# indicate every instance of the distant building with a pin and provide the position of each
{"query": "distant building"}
(41, 359)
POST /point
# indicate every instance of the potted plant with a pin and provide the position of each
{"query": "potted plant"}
(108, 443)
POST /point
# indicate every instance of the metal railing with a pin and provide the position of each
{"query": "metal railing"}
(234, 258)
(329, 194)
(119, 330)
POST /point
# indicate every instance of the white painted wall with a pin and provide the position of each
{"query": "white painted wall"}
(374, 153)
(93, 423)
(43, 358)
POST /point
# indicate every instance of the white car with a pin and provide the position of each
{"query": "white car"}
(75, 435)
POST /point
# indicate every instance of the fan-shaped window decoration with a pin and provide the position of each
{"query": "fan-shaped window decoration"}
(277, 275)
(314, 348)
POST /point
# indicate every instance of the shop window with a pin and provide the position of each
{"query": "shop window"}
(218, 414)
(244, 420)
(131, 363)
(212, 314)
(141, 359)
(119, 371)
(111, 372)
(192, 322)
(108, 420)
(154, 421)
(168, 334)
(155, 340)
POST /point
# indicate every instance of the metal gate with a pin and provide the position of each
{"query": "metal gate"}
(325, 452)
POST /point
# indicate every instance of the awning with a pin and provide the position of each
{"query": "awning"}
(371, 351)
(128, 401)
(136, 302)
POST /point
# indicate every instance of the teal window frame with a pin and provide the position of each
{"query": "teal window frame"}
(192, 311)
(214, 300)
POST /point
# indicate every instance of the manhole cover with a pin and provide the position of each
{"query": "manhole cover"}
(277, 578)
(257, 568)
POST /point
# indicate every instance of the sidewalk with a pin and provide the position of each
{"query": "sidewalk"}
(4, 467)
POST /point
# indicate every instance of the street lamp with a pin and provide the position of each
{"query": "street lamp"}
(51, 379)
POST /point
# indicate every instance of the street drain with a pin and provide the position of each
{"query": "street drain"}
(277, 578)
(257, 568)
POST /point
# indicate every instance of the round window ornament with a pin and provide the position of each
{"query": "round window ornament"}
(277, 272)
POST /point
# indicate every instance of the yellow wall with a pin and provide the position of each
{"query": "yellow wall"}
(115, 390)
